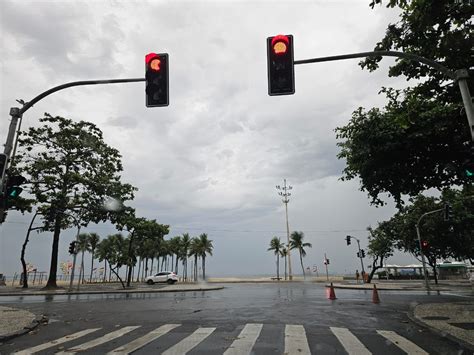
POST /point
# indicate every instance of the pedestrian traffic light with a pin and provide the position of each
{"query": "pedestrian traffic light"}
(72, 248)
(156, 77)
(348, 240)
(448, 212)
(280, 63)
(362, 253)
(13, 188)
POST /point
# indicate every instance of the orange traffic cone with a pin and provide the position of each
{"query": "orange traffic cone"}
(375, 295)
(332, 294)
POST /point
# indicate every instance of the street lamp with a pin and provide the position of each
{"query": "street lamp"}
(283, 192)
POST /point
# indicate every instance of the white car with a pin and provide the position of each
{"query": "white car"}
(163, 276)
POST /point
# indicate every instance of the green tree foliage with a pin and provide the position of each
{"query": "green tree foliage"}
(114, 249)
(380, 247)
(420, 139)
(297, 242)
(277, 246)
(205, 247)
(82, 247)
(71, 171)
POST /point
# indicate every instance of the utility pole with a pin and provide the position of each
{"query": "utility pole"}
(326, 262)
(360, 254)
(283, 192)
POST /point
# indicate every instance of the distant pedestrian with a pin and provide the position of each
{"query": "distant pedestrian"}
(357, 276)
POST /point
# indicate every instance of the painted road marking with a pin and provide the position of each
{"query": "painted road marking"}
(403, 343)
(295, 340)
(56, 342)
(350, 343)
(188, 343)
(142, 341)
(245, 341)
(99, 341)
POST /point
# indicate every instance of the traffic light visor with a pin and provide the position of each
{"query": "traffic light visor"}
(280, 44)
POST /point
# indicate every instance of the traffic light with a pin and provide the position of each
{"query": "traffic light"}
(326, 261)
(424, 244)
(156, 77)
(72, 248)
(13, 188)
(448, 212)
(281, 68)
(348, 240)
(358, 254)
(362, 253)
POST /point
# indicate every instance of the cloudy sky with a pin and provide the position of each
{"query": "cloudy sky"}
(209, 162)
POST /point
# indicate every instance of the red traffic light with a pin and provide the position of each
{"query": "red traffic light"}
(153, 61)
(280, 44)
(424, 244)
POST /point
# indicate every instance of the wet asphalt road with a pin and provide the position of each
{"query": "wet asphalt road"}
(229, 311)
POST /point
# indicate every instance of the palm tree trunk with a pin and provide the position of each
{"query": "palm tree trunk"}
(204, 267)
(302, 267)
(195, 268)
(92, 265)
(278, 267)
(285, 268)
(81, 277)
(105, 270)
(152, 260)
(176, 265)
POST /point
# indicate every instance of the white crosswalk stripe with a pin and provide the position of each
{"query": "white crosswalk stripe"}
(142, 341)
(403, 343)
(188, 343)
(295, 340)
(349, 341)
(245, 341)
(59, 341)
(99, 341)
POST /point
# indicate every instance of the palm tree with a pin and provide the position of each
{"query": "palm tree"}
(184, 251)
(93, 242)
(194, 250)
(284, 253)
(296, 242)
(82, 246)
(276, 246)
(205, 247)
(175, 244)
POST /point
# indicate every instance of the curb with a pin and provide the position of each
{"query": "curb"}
(33, 325)
(46, 293)
(382, 288)
(421, 323)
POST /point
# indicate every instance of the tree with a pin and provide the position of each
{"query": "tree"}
(296, 242)
(205, 247)
(82, 246)
(93, 241)
(184, 251)
(71, 172)
(175, 244)
(276, 246)
(195, 250)
(420, 139)
(380, 247)
(114, 249)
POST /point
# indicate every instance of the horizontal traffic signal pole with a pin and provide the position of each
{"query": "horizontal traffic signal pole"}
(460, 76)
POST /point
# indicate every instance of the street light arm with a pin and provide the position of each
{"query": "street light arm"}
(428, 213)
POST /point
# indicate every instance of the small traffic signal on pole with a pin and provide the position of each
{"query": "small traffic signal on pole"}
(358, 254)
(72, 248)
(156, 77)
(348, 240)
(424, 244)
(281, 67)
(362, 253)
(13, 188)
(448, 212)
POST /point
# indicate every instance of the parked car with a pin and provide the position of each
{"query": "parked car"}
(163, 276)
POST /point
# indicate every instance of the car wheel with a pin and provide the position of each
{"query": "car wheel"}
(170, 282)
(174, 281)
(150, 282)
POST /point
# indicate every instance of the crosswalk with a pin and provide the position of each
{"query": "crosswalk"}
(129, 339)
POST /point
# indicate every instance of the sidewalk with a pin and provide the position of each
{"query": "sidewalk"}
(15, 322)
(405, 285)
(106, 288)
(452, 320)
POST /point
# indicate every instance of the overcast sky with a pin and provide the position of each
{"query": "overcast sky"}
(209, 162)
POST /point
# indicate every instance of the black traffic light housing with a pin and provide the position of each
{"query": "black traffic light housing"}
(72, 248)
(280, 64)
(348, 240)
(13, 188)
(448, 212)
(424, 244)
(157, 79)
(362, 253)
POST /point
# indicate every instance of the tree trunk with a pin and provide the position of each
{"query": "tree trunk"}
(139, 268)
(278, 267)
(176, 265)
(285, 269)
(92, 265)
(152, 260)
(23, 250)
(81, 273)
(105, 270)
(129, 278)
(146, 269)
(51, 284)
(301, 260)
(374, 268)
(195, 268)
(118, 276)
(204, 267)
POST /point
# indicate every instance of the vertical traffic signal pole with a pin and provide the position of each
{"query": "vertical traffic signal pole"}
(360, 257)
(461, 77)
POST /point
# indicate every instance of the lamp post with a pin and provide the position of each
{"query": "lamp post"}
(283, 192)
